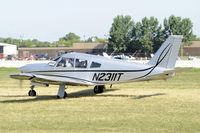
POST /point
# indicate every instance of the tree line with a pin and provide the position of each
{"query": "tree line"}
(25, 43)
(147, 35)
(66, 41)
(125, 35)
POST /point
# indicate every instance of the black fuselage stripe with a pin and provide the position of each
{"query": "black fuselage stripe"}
(157, 63)
(123, 71)
(93, 70)
(52, 75)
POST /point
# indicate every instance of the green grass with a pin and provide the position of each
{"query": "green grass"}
(157, 106)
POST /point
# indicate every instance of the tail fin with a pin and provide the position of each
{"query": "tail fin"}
(167, 54)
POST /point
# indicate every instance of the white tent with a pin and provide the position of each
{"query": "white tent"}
(7, 49)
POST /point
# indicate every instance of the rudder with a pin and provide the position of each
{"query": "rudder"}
(167, 54)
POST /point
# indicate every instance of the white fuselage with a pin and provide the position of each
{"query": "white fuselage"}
(96, 70)
(84, 69)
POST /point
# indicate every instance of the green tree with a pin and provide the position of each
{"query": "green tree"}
(147, 35)
(26, 43)
(101, 40)
(96, 39)
(178, 26)
(69, 39)
(120, 33)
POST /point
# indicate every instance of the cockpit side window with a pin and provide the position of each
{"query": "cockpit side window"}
(79, 63)
(95, 65)
(66, 62)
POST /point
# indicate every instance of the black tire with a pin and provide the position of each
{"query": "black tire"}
(65, 94)
(96, 90)
(32, 93)
(99, 89)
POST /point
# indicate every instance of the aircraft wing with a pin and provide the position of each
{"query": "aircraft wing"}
(50, 79)
(22, 76)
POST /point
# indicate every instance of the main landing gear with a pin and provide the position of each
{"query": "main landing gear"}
(32, 92)
(99, 89)
(65, 95)
(61, 92)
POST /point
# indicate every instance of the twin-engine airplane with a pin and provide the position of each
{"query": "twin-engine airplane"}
(91, 70)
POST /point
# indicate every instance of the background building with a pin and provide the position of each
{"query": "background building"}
(7, 49)
(52, 52)
(193, 49)
(92, 48)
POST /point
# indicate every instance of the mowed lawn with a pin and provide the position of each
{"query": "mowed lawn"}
(157, 106)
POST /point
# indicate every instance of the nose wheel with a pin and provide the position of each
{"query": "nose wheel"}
(99, 89)
(32, 92)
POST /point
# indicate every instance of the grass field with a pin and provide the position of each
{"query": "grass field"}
(156, 106)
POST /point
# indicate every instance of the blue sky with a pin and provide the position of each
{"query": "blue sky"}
(47, 20)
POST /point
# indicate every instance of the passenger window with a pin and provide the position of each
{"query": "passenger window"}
(95, 65)
(81, 63)
(66, 62)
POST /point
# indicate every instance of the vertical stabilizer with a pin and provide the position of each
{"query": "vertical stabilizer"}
(166, 55)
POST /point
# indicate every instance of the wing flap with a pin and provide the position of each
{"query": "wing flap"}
(53, 79)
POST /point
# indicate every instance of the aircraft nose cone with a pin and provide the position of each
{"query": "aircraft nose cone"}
(34, 67)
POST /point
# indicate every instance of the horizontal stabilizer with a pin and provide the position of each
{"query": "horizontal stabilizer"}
(165, 75)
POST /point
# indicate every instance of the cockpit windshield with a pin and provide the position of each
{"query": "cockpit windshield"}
(53, 62)
(70, 62)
